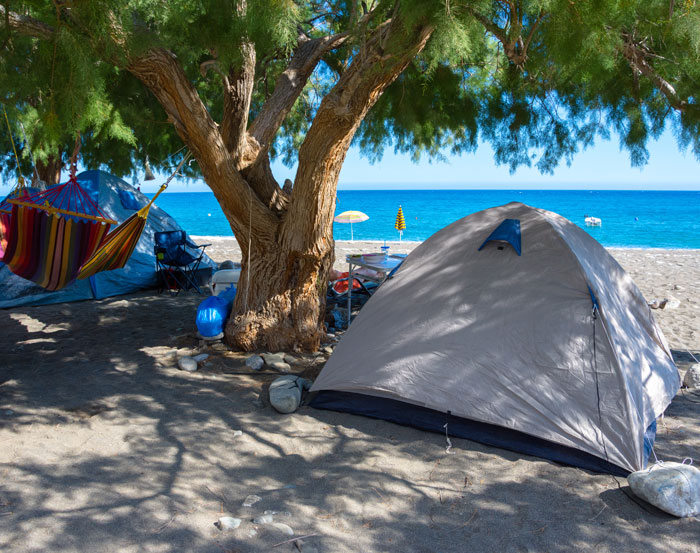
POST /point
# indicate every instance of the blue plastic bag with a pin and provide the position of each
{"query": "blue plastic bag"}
(213, 312)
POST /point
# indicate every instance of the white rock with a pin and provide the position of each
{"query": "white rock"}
(263, 519)
(672, 487)
(201, 357)
(187, 364)
(327, 350)
(227, 523)
(283, 528)
(692, 376)
(288, 358)
(281, 366)
(271, 358)
(670, 302)
(252, 533)
(254, 362)
(285, 392)
(251, 500)
(237, 433)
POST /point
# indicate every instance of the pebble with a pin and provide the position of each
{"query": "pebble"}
(254, 362)
(327, 350)
(281, 366)
(331, 335)
(187, 364)
(237, 433)
(263, 519)
(9, 412)
(692, 376)
(201, 357)
(252, 533)
(288, 358)
(285, 392)
(271, 358)
(251, 500)
(280, 513)
(227, 523)
(283, 528)
(219, 346)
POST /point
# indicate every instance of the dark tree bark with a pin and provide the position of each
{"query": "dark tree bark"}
(49, 171)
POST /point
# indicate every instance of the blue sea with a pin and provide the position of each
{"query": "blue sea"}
(638, 219)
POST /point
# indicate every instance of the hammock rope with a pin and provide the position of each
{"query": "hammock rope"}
(117, 247)
(19, 190)
(53, 232)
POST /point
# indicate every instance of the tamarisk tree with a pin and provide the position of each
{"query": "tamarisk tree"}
(241, 81)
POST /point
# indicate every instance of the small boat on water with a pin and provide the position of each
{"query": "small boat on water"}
(593, 221)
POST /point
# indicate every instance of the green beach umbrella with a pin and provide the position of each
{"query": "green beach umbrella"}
(351, 217)
(400, 224)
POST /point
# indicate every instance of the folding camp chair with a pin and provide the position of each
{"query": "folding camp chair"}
(177, 261)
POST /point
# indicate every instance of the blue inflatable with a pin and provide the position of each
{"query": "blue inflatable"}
(213, 312)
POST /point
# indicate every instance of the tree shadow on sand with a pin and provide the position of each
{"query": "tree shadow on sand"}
(110, 448)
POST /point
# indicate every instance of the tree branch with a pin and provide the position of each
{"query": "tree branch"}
(289, 86)
(238, 91)
(636, 58)
(26, 25)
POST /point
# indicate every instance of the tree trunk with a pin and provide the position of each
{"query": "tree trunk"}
(282, 305)
(49, 171)
(287, 243)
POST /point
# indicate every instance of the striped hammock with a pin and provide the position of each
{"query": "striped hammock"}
(117, 248)
(52, 233)
(21, 191)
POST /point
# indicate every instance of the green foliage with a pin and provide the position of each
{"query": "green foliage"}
(574, 87)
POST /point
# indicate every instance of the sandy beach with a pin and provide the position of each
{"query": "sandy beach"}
(106, 446)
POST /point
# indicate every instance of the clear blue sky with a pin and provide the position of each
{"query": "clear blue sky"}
(603, 166)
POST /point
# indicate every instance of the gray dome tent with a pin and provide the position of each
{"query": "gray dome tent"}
(517, 329)
(118, 200)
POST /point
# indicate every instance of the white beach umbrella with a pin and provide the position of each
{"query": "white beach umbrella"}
(351, 217)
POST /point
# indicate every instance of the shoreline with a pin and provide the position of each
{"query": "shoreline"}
(392, 243)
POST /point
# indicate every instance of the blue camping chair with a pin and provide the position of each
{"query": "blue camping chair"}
(177, 261)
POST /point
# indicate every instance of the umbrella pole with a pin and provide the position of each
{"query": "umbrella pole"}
(352, 238)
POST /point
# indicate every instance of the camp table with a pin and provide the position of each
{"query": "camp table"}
(383, 266)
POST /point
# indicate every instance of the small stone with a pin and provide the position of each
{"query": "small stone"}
(280, 513)
(263, 519)
(252, 533)
(281, 366)
(251, 500)
(288, 358)
(237, 433)
(201, 357)
(328, 350)
(218, 346)
(285, 392)
(227, 523)
(187, 364)
(254, 362)
(9, 412)
(283, 528)
(676, 287)
(671, 303)
(66, 312)
(692, 376)
(331, 335)
(271, 358)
